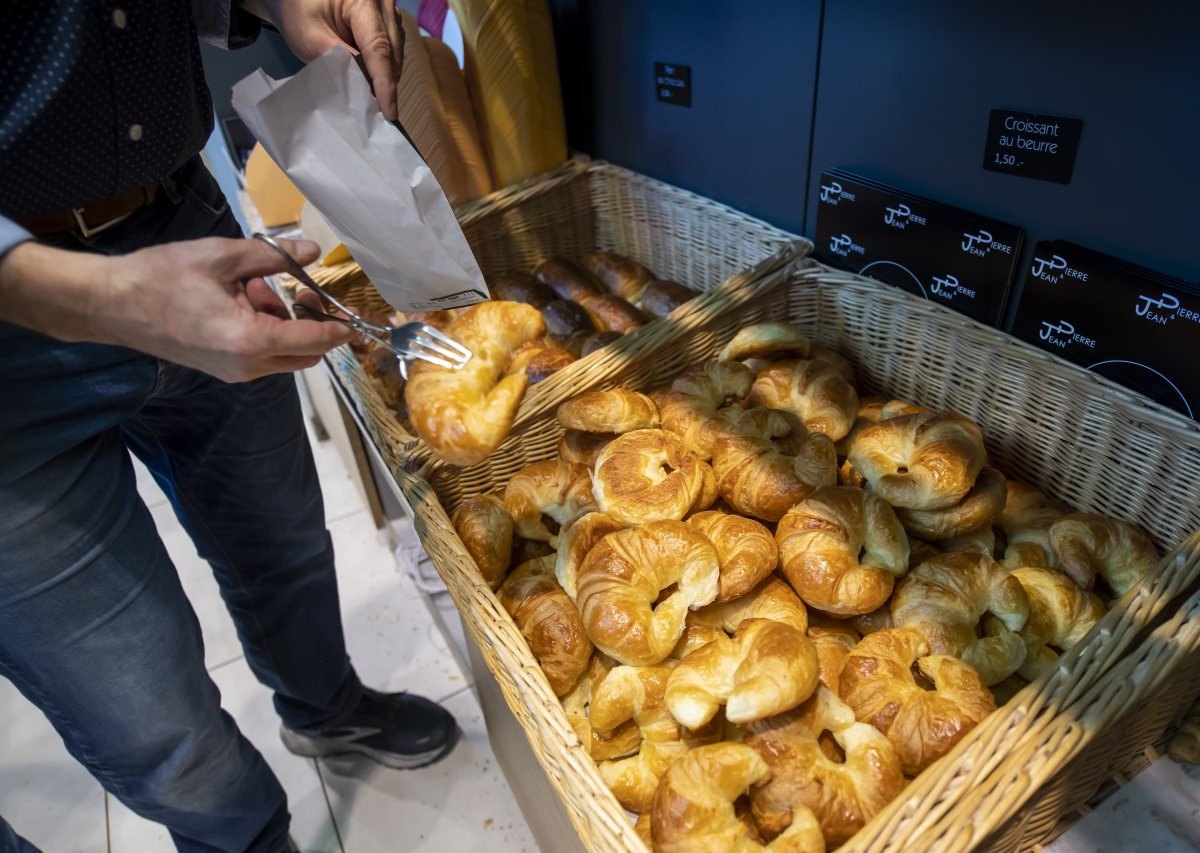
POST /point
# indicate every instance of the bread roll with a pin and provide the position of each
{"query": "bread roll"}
(522, 287)
(611, 313)
(660, 298)
(567, 279)
(582, 344)
(619, 275)
(565, 319)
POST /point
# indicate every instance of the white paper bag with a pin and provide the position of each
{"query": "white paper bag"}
(326, 131)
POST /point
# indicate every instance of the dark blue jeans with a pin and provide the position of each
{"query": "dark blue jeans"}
(94, 626)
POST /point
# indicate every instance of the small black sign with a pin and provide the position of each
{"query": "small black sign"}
(673, 83)
(1133, 325)
(944, 254)
(1032, 145)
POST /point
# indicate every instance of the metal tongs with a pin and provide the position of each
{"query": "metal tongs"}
(409, 341)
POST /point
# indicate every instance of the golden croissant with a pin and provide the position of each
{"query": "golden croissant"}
(920, 461)
(843, 795)
(548, 621)
(619, 584)
(690, 408)
(746, 549)
(560, 491)
(1089, 545)
(1060, 614)
(694, 810)
(767, 668)
(647, 475)
(615, 410)
(877, 682)
(976, 511)
(842, 549)
(486, 529)
(465, 414)
(1025, 521)
(815, 391)
(945, 598)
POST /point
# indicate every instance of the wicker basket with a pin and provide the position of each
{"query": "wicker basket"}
(579, 208)
(1049, 423)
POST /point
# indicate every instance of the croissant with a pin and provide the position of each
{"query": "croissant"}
(1089, 545)
(620, 275)
(611, 313)
(616, 410)
(575, 542)
(981, 541)
(560, 491)
(763, 340)
(920, 461)
(878, 684)
(486, 530)
(660, 298)
(693, 808)
(834, 640)
(465, 414)
(765, 476)
(521, 287)
(566, 279)
(978, 509)
(767, 668)
(548, 621)
(843, 795)
(583, 447)
(772, 599)
(622, 741)
(842, 549)
(1060, 614)
(619, 584)
(647, 475)
(944, 599)
(745, 548)
(689, 408)
(815, 391)
(1025, 521)
(636, 693)
(876, 620)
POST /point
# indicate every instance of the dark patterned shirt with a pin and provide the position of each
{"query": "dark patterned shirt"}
(100, 96)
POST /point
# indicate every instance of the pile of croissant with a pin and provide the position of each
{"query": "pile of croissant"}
(766, 603)
(537, 324)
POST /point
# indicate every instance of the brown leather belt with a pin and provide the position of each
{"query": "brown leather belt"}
(91, 218)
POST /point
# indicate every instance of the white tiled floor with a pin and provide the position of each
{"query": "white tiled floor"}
(461, 804)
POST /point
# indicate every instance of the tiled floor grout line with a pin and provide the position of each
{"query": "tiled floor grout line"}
(457, 692)
(343, 516)
(224, 663)
(107, 823)
(337, 832)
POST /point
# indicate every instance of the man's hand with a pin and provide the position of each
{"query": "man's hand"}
(370, 28)
(184, 302)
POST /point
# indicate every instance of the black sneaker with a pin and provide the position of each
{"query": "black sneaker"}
(398, 730)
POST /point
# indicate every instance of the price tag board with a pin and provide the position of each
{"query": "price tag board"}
(1032, 145)
(673, 83)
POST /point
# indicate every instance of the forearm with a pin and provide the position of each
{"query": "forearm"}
(53, 291)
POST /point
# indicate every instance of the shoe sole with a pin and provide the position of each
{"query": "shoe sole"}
(307, 747)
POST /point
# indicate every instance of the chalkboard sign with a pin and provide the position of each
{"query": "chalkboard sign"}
(1032, 145)
(673, 83)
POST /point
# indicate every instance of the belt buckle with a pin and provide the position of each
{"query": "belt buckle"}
(87, 231)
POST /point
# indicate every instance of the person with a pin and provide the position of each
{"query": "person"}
(134, 316)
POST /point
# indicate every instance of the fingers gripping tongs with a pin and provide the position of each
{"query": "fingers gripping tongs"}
(409, 341)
